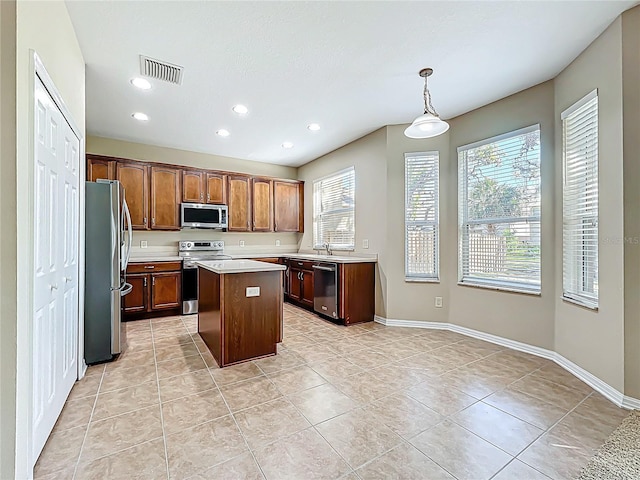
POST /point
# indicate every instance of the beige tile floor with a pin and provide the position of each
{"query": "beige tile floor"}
(363, 402)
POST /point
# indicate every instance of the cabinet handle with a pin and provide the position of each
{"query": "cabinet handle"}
(144, 282)
(153, 280)
(254, 224)
(145, 221)
(153, 221)
(276, 229)
(201, 195)
(208, 197)
(150, 266)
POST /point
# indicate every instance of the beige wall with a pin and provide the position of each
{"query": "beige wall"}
(631, 159)
(526, 318)
(152, 153)
(595, 339)
(367, 156)
(409, 300)
(8, 244)
(44, 27)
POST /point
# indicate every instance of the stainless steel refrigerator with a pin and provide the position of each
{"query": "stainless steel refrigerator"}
(108, 246)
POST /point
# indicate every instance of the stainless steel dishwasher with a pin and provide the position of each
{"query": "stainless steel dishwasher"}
(325, 289)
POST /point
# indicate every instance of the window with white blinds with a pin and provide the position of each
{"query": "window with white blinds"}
(499, 211)
(580, 201)
(421, 216)
(334, 210)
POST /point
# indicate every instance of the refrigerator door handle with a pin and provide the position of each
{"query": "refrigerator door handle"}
(115, 276)
(126, 289)
(130, 232)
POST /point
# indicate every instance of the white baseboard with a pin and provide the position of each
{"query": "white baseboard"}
(594, 382)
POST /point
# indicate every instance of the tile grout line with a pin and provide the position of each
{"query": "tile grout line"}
(164, 435)
(244, 439)
(86, 433)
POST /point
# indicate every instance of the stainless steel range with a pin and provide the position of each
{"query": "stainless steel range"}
(192, 252)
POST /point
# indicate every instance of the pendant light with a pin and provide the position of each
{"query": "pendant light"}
(428, 124)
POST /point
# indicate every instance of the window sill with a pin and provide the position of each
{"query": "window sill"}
(501, 289)
(421, 280)
(581, 303)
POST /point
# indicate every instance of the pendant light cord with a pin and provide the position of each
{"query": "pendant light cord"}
(428, 107)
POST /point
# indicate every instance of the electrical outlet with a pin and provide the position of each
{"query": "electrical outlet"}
(365, 243)
(242, 243)
(277, 243)
(253, 291)
(438, 302)
(143, 244)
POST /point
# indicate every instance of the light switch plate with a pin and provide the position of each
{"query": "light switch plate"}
(253, 291)
(143, 244)
(242, 243)
(438, 302)
(277, 243)
(365, 243)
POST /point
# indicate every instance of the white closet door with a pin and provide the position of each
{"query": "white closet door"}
(55, 335)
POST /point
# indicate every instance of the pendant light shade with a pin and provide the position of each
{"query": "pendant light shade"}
(429, 123)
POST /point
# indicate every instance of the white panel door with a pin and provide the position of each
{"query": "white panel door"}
(56, 212)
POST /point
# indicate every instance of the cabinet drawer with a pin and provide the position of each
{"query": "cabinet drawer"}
(154, 267)
(301, 264)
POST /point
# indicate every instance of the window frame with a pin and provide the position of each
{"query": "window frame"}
(316, 215)
(581, 296)
(424, 277)
(464, 221)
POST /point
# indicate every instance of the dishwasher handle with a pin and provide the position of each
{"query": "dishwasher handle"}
(326, 269)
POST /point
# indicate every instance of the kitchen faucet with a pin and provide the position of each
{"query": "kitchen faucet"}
(327, 247)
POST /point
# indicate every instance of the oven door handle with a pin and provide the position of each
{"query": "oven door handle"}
(326, 269)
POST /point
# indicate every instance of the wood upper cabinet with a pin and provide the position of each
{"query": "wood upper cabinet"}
(216, 188)
(98, 167)
(239, 201)
(288, 206)
(193, 186)
(166, 290)
(166, 193)
(262, 211)
(135, 180)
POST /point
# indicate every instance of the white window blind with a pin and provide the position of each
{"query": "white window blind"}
(334, 210)
(580, 201)
(499, 211)
(421, 216)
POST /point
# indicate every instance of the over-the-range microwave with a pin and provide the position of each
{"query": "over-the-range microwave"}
(198, 215)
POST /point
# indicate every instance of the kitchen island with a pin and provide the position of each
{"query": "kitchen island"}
(240, 309)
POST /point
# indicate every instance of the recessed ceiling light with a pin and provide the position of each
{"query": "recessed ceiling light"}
(223, 132)
(143, 117)
(240, 109)
(314, 127)
(141, 83)
(287, 145)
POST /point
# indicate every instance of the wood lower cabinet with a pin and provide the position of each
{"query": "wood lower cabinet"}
(157, 290)
(288, 206)
(300, 284)
(239, 201)
(165, 198)
(262, 204)
(99, 168)
(193, 186)
(135, 180)
(137, 300)
(216, 186)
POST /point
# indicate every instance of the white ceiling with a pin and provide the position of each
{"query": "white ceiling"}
(349, 66)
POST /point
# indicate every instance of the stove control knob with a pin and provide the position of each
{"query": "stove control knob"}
(182, 244)
(189, 244)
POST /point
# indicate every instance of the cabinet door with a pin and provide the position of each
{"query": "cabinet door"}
(307, 287)
(165, 198)
(138, 299)
(192, 186)
(100, 168)
(295, 284)
(288, 206)
(166, 290)
(262, 194)
(216, 188)
(239, 203)
(135, 180)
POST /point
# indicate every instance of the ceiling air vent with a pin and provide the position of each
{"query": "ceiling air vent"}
(167, 72)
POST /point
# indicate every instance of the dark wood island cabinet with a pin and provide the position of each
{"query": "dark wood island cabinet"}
(240, 309)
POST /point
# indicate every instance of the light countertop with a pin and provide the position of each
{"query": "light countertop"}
(154, 258)
(311, 256)
(240, 266)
